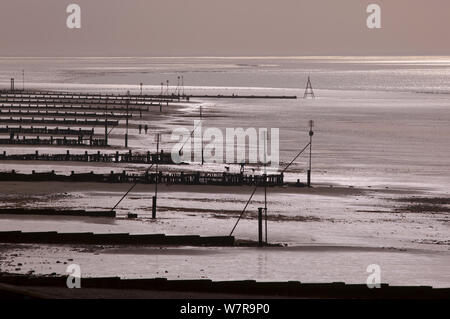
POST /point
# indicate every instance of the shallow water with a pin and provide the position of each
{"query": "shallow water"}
(380, 124)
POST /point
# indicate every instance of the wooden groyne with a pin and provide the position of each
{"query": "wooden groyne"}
(56, 212)
(132, 99)
(76, 100)
(237, 96)
(55, 122)
(53, 237)
(289, 289)
(80, 141)
(197, 178)
(46, 131)
(98, 96)
(62, 114)
(128, 157)
(72, 107)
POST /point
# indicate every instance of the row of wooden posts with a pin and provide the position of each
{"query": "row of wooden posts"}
(58, 113)
(55, 121)
(80, 141)
(194, 178)
(46, 130)
(128, 157)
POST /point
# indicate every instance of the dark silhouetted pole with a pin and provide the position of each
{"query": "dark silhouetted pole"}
(126, 120)
(265, 182)
(311, 133)
(106, 122)
(157, 178)
(201, 135)
(260, 229)
(182, 83)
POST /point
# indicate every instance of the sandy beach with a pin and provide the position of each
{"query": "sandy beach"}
(380, 177)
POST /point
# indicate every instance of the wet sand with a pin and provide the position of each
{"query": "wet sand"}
(380, 187)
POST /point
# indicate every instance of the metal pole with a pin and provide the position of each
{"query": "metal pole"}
(265, 182)
(311, 133)
(182, 83)
(260, 240)
(157, 178)
(201, 134)
(106, 122)
(126, 119)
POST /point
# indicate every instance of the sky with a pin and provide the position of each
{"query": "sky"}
(224, 28)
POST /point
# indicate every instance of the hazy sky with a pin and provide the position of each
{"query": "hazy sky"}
(222, 28)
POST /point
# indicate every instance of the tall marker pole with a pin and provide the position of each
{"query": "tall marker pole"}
(265, 182)
(311, 133)
(157, 178)
(126, 133)
(182, 83)
(201, 135)
(106, 122)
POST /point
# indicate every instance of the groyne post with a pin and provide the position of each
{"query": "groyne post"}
(260, 226)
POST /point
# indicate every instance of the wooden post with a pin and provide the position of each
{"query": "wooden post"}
(126, 119)
(260, 226)
(106, 122)
(265, 182)
(157, 178)
(154, 207)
